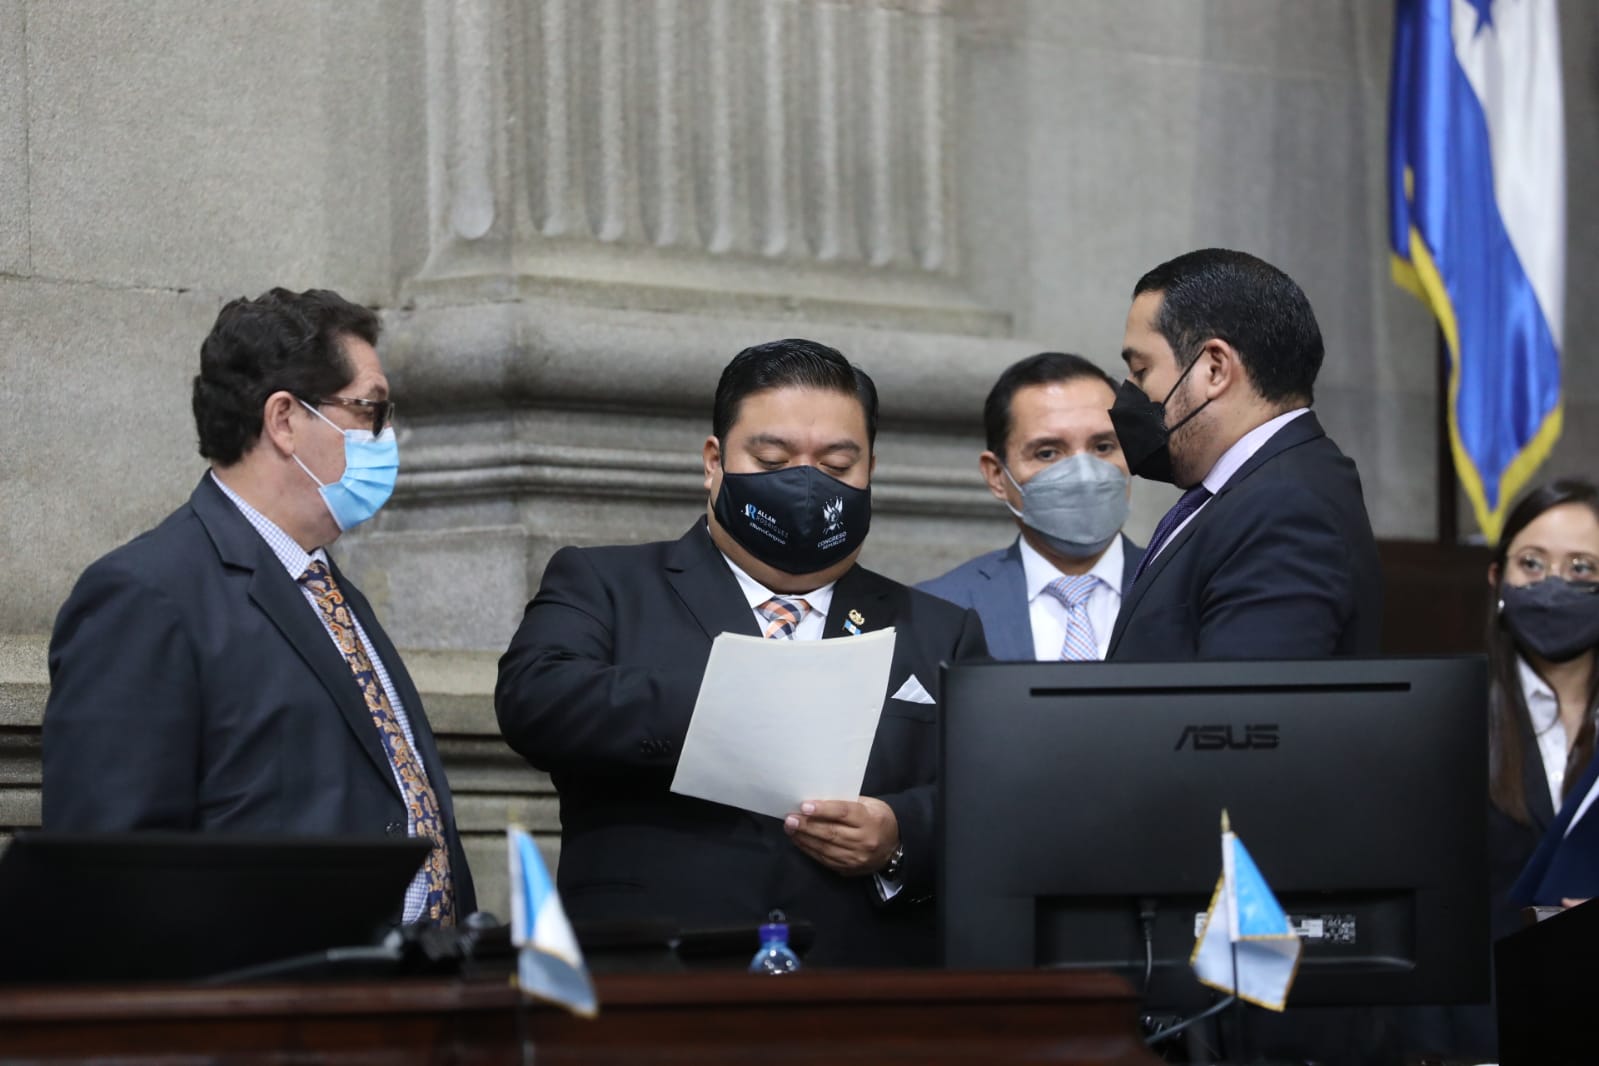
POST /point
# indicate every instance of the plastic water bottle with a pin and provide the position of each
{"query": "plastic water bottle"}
(775, 955)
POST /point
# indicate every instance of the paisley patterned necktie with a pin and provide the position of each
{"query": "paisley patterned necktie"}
(418, 794)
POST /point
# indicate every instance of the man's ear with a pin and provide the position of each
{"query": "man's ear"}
(1493, 575)
(711, 455)
(993, 469)
(1221, 369)
(277, 422)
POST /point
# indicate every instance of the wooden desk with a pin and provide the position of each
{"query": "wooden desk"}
(683, 1019)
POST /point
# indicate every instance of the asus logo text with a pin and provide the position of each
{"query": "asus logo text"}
(1228, 738)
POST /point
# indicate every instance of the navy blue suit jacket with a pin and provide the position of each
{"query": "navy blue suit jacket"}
(1280, 564)
(192, 687)
(1564, 866)
(598, 687)
(995, 586)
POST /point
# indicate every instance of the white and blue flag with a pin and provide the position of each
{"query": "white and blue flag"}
(1247, 947)
(549, 963)
(1477, 224)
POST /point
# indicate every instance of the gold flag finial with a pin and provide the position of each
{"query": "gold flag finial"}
(1226, 823)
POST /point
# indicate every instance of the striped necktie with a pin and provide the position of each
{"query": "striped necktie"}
(1073, 593)
(782, 616)
(420, 800)
(1186, 505)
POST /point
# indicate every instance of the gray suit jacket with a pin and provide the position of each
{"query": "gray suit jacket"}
(995, 587)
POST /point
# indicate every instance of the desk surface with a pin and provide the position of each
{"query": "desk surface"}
(811, 1017)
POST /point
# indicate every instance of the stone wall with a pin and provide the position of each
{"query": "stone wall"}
(573, 212)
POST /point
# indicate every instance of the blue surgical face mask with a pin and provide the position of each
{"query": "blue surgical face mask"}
(1077, 505)
(370, 466)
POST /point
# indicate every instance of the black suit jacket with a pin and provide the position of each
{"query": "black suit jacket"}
(192, 687)
(598, 687)
(1280, 564)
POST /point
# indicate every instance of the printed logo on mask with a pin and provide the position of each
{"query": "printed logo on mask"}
(762, 522)
(833, 533)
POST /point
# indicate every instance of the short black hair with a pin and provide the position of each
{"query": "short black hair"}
(280, 341)
(786, 364)
(1232, 296)
(1045, 368)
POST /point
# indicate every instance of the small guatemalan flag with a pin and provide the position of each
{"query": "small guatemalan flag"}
(1247, 946)
(549, 963)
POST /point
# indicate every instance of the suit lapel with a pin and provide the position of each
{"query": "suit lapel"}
(280, 599)
(1301, 430)
(426, 745)
(700, 577)
(860, 598)
(1002, 599)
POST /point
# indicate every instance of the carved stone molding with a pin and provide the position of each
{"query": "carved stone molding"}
(772, 153)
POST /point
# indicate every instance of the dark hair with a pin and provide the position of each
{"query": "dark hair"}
(1045, 368)
(1509, 721)
(1232, 296)
(280, 341)
(785, 364)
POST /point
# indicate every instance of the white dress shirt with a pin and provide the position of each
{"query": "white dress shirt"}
(1233, 459)
(295, 559)
(1543, 707)
(1048, 614)
(819, 600)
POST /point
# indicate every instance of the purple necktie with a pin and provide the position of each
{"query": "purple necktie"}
(1186, 505)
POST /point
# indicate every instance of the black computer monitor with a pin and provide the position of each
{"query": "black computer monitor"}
(1076, 795)
(176, 906)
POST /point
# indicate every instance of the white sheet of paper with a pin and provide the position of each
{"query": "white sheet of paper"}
(778, 722)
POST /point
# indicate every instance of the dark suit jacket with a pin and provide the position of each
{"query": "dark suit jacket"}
(995, 586)
(1564, 866)
(598, 687)
(1280, 564)
(192, 687)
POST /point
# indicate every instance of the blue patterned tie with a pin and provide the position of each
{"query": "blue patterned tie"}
(419, 796)
(1073, 593)
(1186, 505)
(784, 616)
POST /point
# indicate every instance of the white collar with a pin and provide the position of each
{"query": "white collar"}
(1543, 706)
(819, 600)
(1244, 449)
(1038, 571)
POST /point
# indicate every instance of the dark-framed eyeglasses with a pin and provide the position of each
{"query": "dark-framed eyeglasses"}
(377, 413)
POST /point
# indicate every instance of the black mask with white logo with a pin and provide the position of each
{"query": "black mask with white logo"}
(1140, 425)
(1554, 619)
(797, 519)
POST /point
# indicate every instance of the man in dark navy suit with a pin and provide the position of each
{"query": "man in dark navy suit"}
(1054, 462)
(1269, 553)
(600, 682)
(219, 674)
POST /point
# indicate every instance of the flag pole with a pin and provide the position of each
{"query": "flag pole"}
(1448, 481)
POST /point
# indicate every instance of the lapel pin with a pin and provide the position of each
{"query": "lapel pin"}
(854, 623)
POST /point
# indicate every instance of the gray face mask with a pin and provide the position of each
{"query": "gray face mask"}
(1077, 505)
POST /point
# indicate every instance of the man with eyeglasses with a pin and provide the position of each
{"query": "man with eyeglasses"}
(219, 673)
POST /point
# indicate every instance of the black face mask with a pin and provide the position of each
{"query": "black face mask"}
(797, 520)
(1140, 425)
(1554, 619)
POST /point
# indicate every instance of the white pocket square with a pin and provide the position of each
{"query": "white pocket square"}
(913, 692)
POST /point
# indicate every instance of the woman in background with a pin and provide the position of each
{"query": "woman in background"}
(1543, 640)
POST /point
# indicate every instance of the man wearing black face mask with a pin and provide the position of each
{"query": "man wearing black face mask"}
(1269, 553)
(600, 682)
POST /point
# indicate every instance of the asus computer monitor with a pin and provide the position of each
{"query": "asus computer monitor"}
(1077, 797)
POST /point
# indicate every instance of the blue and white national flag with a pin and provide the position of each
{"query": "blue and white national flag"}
(549, 963)
(1247, 946)
(1477, 223)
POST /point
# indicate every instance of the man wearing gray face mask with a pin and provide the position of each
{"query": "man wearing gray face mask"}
(1053, 460)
